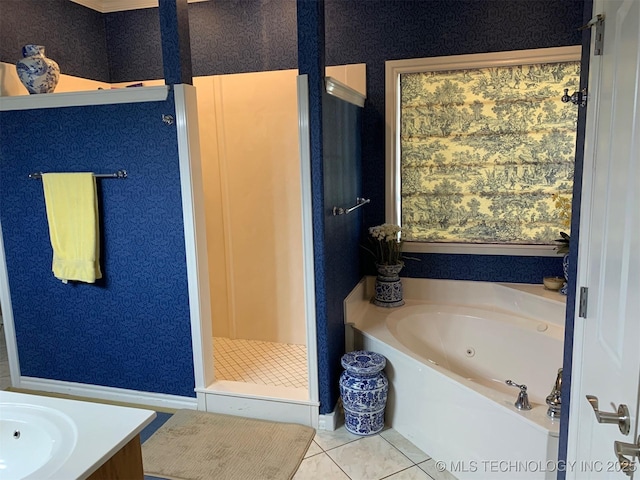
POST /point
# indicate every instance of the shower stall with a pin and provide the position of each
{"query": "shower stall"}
(253, 196)
(251, 184)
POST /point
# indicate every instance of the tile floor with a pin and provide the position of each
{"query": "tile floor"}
(265, 363)
(340, 455)
(333, 455)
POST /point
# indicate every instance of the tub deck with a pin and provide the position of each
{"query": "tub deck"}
(457, 419)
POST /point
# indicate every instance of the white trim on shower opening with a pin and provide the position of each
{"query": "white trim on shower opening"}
(307, 236)
(7, 317)
(194, 236)
(344, 92)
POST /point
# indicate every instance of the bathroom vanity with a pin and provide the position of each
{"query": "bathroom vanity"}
(56, 438)
(126, 464)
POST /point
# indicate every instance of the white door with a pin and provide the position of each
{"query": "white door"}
(606, 362)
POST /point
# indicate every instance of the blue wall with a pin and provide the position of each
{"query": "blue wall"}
(374, 31)
(132, 328)
(311, 47)
(74, 36)
(342, 172)
(377, 30)
(135, 48)
(231, 37)
(227, 36)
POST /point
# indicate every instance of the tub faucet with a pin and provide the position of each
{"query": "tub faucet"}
(522, 403)
(554, 400)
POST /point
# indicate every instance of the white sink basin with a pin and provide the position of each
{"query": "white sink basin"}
(48, 438)
(35, 441)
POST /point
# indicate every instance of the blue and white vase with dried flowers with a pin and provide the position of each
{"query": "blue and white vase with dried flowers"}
(387, 250)
(37, 72)
(563, 205)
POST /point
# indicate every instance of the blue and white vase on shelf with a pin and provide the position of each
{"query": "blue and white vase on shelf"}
(388, 286)
(363, 388)
(37, 72)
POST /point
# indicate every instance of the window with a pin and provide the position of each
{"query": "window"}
(479, 145)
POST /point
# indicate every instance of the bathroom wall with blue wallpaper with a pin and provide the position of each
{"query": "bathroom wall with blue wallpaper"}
(132, 328)
(310, 23)
(73, 35)
(227, 36)
(342, 170)
(377, 30)
(135, 48)
(231, 37)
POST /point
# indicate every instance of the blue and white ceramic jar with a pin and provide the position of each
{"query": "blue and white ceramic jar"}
(37, 72)
(364, 388)
(388, 286)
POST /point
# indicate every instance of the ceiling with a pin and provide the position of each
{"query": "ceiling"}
(108, 6)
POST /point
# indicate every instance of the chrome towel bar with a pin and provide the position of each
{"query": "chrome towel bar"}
(343, 211)
(119, 174)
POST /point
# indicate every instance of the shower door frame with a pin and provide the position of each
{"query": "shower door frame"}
(234, 397)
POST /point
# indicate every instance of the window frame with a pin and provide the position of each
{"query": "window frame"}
(393, 70)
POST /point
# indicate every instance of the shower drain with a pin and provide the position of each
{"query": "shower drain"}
(470, 352)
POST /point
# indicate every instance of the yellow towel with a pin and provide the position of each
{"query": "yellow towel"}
(72, 212)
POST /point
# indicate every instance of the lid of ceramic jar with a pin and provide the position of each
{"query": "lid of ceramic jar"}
(363, 362)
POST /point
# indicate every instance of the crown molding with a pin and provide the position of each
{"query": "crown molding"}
(109, 6)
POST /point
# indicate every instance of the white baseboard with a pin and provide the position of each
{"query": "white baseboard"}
(329, 421)
(149, 399)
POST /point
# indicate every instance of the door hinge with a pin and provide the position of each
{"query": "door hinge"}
(584, 298)
(598, 22)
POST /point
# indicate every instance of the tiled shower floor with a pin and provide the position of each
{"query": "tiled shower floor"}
(265, 363)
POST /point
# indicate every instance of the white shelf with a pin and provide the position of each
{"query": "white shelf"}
(108, 6)
(78, 99)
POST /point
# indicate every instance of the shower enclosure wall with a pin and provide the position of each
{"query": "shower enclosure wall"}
(252, 195)
(251, 171)
(253, 204)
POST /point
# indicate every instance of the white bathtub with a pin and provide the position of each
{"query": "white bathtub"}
(53, 438)
(449, 351)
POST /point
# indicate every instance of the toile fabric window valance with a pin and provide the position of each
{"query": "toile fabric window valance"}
(483, 151)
